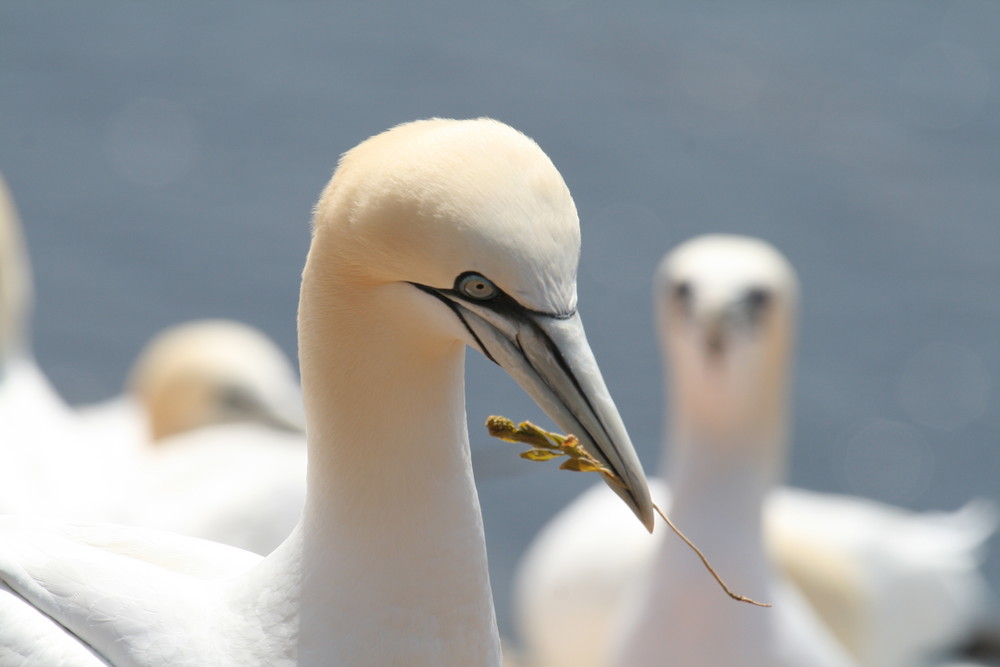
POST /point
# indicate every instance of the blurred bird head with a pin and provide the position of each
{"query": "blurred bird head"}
(726, 309)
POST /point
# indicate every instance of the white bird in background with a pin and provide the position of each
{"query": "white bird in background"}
(38, 471)
(97, 462)
(221, 403)
(239, 484)
(894, 587)
(201, 373)
(431, 236)
(728, 324)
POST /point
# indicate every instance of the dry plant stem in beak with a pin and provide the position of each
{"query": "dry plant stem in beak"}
(546, 445)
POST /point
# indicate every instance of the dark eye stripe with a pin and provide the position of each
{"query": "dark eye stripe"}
(499, 301)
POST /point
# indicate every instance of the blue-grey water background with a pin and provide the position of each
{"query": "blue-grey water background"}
(165, 158)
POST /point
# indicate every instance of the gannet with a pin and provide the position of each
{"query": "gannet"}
(207, 437)
(96, 462)
(729, 326)
(37, 471)
(431, 236)
(201, 373)
(890, 585)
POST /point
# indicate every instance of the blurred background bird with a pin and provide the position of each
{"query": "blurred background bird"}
(852, 581)
(40, 472)
(202, 373)
(210, 431)
(220, 396)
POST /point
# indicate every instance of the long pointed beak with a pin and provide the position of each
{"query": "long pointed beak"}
(549, 356)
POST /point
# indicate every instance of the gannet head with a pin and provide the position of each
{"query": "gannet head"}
(214, 372)
(726, 307)
(15, 281)
(476, 223)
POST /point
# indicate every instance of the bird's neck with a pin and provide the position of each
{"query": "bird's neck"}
(726, 431)
(748, 463)
(720, 460)
(15, 294)
(720, 476)
(14, 350)
(15, 337)
(390, 553)
(716, 497)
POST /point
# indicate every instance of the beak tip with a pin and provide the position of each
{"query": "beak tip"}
(647, 518)
(636, 496)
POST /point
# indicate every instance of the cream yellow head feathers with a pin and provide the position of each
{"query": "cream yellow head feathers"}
(429, 200)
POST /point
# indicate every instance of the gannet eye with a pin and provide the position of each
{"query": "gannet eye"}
(757, 299)
(682, 292)
(477, 287)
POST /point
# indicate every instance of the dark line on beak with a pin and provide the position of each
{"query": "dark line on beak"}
(455, 308)
(552, 316)
(569, 373)
(508, 307)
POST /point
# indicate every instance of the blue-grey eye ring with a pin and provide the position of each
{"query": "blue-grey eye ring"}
(477, 287)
